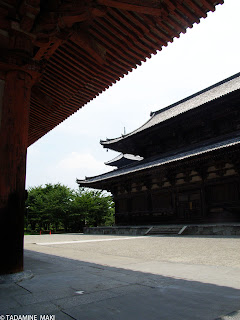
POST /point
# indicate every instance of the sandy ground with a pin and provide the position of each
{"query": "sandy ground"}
(87, 277)
(209, 259)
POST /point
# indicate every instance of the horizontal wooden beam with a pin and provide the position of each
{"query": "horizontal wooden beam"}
(132, 7)
(69, 20)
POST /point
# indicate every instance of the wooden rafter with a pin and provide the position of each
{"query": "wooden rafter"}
(85, 41)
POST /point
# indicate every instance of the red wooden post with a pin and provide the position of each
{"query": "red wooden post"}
(14, 114)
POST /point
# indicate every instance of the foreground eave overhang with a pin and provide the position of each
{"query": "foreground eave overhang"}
(74, 50)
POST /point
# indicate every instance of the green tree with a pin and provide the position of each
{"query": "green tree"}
(55, 206)
(58, 199)
(49, 206)
(95, 206)
(35, 208)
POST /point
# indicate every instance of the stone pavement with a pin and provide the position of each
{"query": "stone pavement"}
(83, 277)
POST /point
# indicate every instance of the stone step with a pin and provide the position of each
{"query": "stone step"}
(161, 232)
(164, 230)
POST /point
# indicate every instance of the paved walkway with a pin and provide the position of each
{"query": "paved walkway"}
(111, 277)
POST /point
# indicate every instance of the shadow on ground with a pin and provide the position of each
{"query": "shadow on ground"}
(72, 289)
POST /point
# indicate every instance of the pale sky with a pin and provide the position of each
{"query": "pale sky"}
(204, 55)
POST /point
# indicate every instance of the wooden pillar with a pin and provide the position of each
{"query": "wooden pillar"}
(14, 114)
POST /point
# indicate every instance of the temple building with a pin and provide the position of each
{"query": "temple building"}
(185, 162)
(56, 56)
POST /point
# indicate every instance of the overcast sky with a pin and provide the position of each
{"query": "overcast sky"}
(206, 54)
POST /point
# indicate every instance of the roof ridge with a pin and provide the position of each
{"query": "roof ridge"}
(171, 108)
(195, 94)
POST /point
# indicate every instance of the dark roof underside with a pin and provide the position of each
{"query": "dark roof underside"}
(161, 161)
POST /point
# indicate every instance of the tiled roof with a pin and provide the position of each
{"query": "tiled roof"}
(157, 162)
(123, 159)
(192, 102)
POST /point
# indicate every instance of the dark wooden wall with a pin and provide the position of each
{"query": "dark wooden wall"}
(213, 196)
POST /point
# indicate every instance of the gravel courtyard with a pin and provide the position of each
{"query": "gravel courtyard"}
(91, 277)
(170, 255)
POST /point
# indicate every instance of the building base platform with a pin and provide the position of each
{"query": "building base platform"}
(228, 229)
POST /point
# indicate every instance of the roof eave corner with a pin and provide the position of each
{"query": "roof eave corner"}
(80, 181)
(103, 142)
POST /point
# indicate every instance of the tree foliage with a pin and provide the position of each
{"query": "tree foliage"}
(57, 207)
